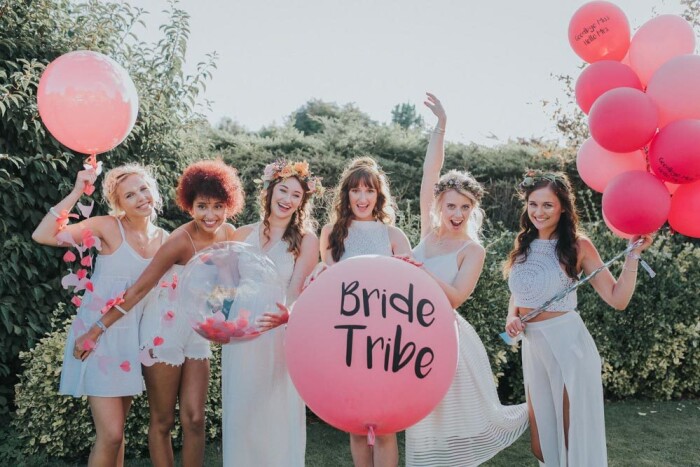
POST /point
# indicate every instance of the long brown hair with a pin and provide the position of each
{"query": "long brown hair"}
(300, 222)
(361, 171)
(567, 230)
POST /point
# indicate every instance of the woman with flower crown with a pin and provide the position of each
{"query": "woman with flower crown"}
(361, 223)
(470, 425)
(561, 364)
(264, 419)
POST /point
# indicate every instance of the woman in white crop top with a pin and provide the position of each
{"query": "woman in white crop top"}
(561, 364)
(470, 425)
(362, 221)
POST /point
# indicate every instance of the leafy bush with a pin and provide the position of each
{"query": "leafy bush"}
(46, 422)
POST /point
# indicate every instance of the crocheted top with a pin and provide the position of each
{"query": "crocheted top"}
(367, 238)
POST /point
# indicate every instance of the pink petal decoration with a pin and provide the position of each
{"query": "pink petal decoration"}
(89, 190)
(69, 257)
(69, 280)
(145, 357)
(158, 341)
(82, 273)
(65, 238)
(89, 286)
(86, 261)
(125, 366)
(88, 344)
(76, 300)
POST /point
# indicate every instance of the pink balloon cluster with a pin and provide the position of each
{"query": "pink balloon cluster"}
(642, 97)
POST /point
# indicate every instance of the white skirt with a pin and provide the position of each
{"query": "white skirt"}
(470, 425)
(559, 353)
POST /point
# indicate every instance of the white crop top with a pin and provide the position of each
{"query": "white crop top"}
(540, 277)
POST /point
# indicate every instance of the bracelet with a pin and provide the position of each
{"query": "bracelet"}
(52, 211)
(633, 255)
(438, 130)
(628, 269)
(120, 310)
(101, 325)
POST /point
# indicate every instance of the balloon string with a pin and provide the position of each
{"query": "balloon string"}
(370, 435)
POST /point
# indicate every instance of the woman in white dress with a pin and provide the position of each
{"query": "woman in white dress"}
(264, 418)
(210, 191)
(470, 425)
(128, 239)
(362, 224)
(561, 364)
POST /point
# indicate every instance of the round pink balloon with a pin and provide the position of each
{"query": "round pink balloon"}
(615, 230)
(372, 342)
(674, 154)
(597, 166)
(684, 217)
(599, 31)
(657, 41)
(602, 76)
(675, 88)
(636, 202)
(623, 120)
(87, 101)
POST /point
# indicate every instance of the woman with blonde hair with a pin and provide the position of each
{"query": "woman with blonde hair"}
(362, 223)
(129, 240)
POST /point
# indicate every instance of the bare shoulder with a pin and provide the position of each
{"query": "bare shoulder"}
(310, 240)
(241, 233)
(472, 251)
(326, 230)
(395, 232)
(585, 246)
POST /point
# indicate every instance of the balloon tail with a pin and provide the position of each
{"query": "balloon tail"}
(370, 435)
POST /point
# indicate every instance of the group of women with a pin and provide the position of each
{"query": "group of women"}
(263, 416)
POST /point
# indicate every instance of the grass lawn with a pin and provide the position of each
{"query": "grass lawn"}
(659, 434)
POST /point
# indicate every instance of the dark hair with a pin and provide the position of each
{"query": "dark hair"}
(362, 171)
(300, 222)
(210, 179)
(567, 230)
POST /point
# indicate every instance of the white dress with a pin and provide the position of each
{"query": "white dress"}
(113, 369)
(470, 425)
(264, 419)
(367, 238)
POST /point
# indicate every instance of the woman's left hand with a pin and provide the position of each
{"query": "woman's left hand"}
(648, 240)
(409, 259)
(272, 320)
(85, 344)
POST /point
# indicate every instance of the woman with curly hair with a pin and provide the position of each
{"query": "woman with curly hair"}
(561, 364)
(210, 191)
(362, 223)
(469, 426)
(264, 419)
(129, 239)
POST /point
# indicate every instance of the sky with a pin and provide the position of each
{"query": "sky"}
(491, 62)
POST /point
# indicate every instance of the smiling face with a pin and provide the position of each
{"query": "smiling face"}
(208, 213)
(134, 196)
(287, 196)
(544, 210)
(455, 209)
(363, 200)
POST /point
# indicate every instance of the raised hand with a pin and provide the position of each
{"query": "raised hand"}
(435, 106)
(84, 178)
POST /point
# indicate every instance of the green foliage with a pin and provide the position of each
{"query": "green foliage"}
(46, 422)
(36, 171)
(405, 116)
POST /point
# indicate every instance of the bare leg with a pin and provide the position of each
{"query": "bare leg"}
(109, 415)
(193, 396)
(386, 451)
(534, 434)
(361, 453)
(162, 383)
(126, 405)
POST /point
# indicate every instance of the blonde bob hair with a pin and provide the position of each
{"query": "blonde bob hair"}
(113, 179)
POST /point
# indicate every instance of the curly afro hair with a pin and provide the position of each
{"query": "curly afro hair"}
(211, 179)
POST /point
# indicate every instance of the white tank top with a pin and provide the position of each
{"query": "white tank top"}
(367, 238)
(540, 277)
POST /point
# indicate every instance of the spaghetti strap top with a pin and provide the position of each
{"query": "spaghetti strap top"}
(192, 241)
(443, 266)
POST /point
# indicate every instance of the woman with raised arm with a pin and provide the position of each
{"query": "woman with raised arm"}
(210, 191)
(470, 425)
(561, 364)
(129, 240)
(264, 420)
(361, 223)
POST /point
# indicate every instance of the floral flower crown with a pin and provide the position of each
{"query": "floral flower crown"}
(533, 177)
(282, 168)
(469, 185)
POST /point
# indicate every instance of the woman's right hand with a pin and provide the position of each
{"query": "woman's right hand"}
(514, 326)
(84, 178)
(320, 267)
(435, 106)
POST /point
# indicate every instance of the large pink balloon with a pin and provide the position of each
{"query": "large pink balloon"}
(684, 217)
(615, 230)
(636, 202)
(87, 101)
(597, 166)
(657, 41)
(674, 154)
(602, 76)
(623, 120)
(599, 31)
(372, 342)
(675, 88)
